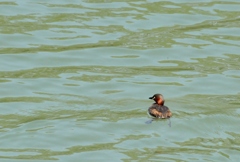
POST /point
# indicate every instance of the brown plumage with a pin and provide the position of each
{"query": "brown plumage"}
(158, 109)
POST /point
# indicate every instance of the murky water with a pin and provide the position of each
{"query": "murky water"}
(75, 77)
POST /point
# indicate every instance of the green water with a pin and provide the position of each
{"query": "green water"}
(75, 77)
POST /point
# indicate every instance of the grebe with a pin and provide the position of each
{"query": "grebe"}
(158, 109)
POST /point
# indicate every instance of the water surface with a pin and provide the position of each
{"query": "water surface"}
(75, 77)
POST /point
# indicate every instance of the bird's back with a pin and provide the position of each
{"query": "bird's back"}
(159, 111)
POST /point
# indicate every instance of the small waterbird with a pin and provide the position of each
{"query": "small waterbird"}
(158, 109)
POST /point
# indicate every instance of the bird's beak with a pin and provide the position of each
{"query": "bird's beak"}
(151, 97)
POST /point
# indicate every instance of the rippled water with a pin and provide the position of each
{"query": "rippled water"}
(75, 77)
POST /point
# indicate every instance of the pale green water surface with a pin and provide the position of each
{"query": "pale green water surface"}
(75, 77)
